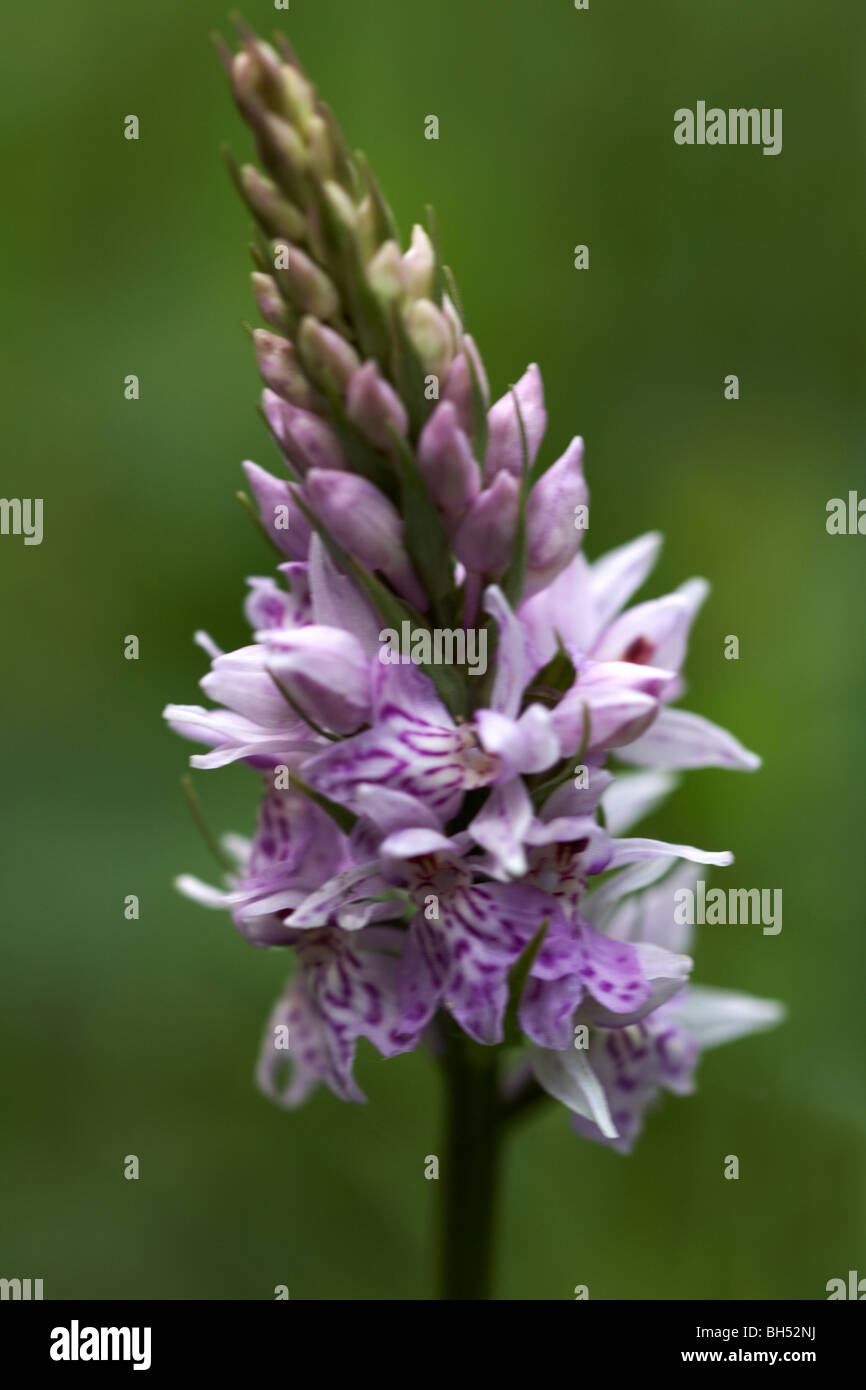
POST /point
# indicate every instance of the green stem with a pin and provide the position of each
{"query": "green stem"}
(469, 1178)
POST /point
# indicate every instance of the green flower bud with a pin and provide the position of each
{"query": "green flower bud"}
(431, 335)
(244, 76)
(255, 74)
(326, 356)
(287, 144)
(320, 148)
(368, 227)
(277, 214)
(299, 95)
(342, 206)
(305, 283)
(387, 274)
(420, 264)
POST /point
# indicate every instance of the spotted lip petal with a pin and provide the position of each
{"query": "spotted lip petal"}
(575, 961)
(345, 989)
(460, 959)
(414, 747)
(633, 1065)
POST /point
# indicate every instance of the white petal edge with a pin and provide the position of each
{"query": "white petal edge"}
(568, 1077)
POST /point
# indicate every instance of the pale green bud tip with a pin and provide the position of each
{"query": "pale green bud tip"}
(255, 70)
(298, 93)
(431, 335)
(341, 205)
(420, 264)
(387, 274)
(321, 150)
(273, 210)
(368, 227)
(287, 141)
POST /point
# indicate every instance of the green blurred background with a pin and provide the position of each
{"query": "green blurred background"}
(139, 1037)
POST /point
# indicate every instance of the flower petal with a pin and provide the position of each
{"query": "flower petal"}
(568, 1077)
(715, 1016)
(680, 740)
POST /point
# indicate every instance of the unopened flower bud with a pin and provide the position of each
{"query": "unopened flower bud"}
(326, 355)
(299, 95)
(458, 387)
(280, 514)
(281, 371)
(274, 210)
(244, 76)
(387, 273)
(342, 206)
(367, 525)
(552, 535)
(419, 264)
(306, 440)
(321, 152)
(285, 141)
(446, 463)
(272, 306)
(430, 333)
(485, 537)
(265, 62)
(368, 226)
(374, 406)
(504, 435)
(309, 286)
